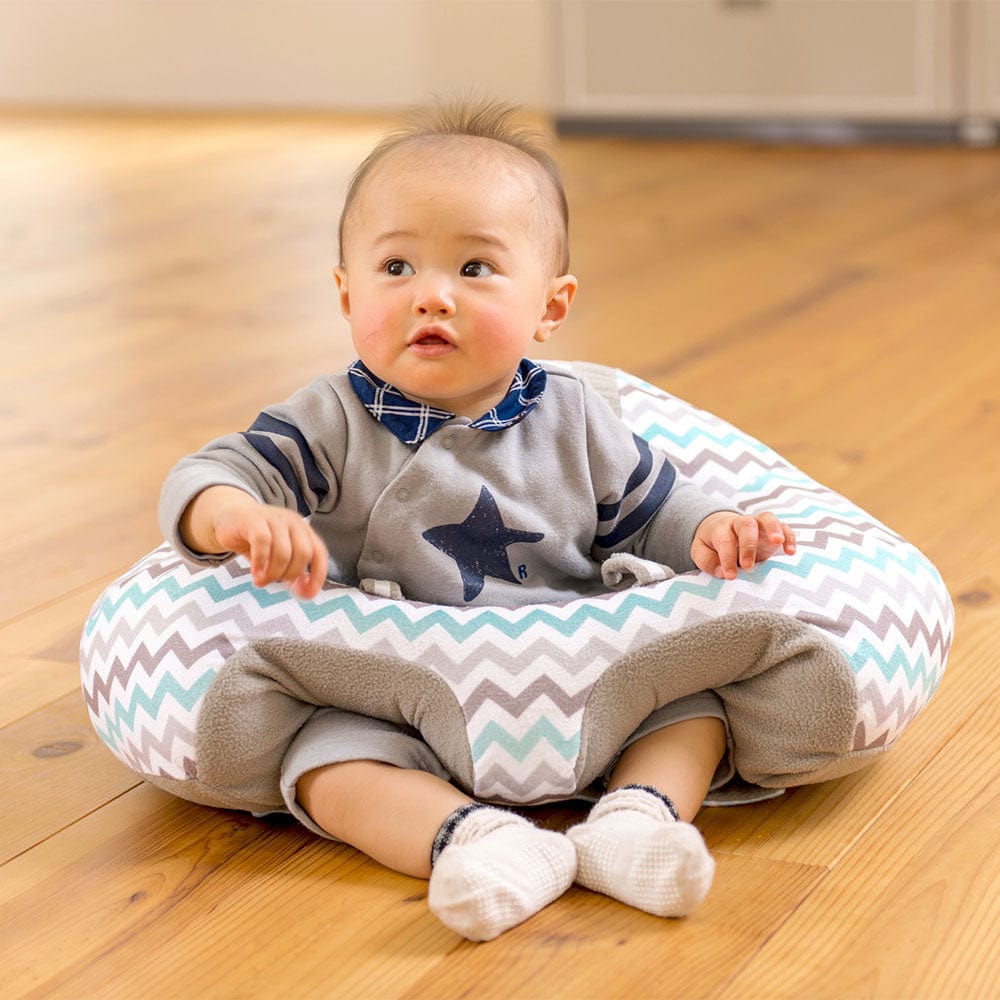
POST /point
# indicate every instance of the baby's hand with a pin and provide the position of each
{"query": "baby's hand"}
(280, 544)
(726, 541)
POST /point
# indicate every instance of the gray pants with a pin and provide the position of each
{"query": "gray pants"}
(332, 736)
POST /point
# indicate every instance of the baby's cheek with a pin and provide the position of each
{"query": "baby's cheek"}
(370, 331)
(495, 330)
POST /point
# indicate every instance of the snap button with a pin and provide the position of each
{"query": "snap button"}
(402, 495)
(448, 442)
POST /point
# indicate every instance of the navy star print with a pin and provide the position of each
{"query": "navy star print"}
(479, 544)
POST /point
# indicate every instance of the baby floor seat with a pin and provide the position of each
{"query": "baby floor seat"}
(199, 681)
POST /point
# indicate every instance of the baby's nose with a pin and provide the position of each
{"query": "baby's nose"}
(434, 297)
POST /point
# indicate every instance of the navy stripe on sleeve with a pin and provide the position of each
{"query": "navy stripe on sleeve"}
(639, 517)
(275, 457)
(256, 436)
(607, 511)
(268, 449)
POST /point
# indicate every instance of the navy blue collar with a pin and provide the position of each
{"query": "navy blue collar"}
(412, 422)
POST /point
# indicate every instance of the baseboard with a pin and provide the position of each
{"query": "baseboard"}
(812, 131)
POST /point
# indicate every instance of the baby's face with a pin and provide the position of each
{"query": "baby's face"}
(447, 275)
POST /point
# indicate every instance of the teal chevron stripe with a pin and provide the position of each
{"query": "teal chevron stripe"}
(118, 715)
(898, 662)
(206, 581)
(460, 629)
(792, 477)
(347, 604)
(541, 731)
(91, 623)
(912, 561)
(725, 437)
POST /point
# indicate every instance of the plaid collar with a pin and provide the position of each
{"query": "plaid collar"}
(412, 422)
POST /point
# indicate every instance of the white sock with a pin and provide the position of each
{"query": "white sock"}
(495, 870)
(633, 848)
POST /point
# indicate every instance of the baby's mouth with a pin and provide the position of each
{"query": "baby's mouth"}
(431, 343)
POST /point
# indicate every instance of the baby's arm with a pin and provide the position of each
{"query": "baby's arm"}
(280, 543)
(726, 542)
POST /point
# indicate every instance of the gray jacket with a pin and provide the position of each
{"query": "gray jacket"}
(468, 516)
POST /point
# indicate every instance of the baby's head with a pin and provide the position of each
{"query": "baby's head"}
(467, 135)
(454, 256)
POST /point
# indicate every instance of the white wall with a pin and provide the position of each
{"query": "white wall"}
(310, 54)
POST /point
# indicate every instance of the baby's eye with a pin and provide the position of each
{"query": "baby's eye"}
(476, 269)
(398, 268)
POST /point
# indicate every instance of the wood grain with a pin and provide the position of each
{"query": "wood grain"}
(55, 770)
(165, 276)
(929, 923)
(40, 653)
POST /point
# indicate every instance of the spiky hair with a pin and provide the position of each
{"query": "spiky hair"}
(482, 119)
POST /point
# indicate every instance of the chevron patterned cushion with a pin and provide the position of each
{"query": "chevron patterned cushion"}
(821, 660)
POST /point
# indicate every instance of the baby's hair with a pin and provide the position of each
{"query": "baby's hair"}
(483, 119)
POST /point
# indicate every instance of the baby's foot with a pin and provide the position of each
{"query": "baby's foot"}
(494, 870)
(633, 848)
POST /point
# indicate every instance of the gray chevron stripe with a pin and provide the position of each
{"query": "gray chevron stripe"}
(694, 464)
(892, 714)
(190, 616)
(870, 529)
(912, 631)
(783, 495)
(122, 674)
(498, 783)
(516, 705)
(145, 745)
(457, 666)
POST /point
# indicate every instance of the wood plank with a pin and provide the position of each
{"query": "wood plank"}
(28, 684)
(155, 889)
(161, 898)
(39, 654)
(586, 945)
(54, 769)
(916, 904)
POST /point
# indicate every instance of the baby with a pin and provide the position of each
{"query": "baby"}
(444, 467)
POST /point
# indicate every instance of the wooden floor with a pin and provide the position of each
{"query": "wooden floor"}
(162, 278)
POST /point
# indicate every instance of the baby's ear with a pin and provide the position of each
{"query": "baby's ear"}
(561, 292)
(340, 276)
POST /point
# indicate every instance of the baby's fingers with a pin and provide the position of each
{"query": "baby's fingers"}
(724, 543)
(705, 558)
(269, 545)
(789, 544)
(305, 581)
(264, 552)
(748, 533)
(308, 584)
(779, 535)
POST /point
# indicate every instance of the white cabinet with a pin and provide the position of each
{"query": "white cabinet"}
(983, 81)
(875, 60)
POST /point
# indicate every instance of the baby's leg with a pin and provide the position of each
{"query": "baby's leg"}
(679, 761)
(489, 868)
(391, 813)
(637, 844)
